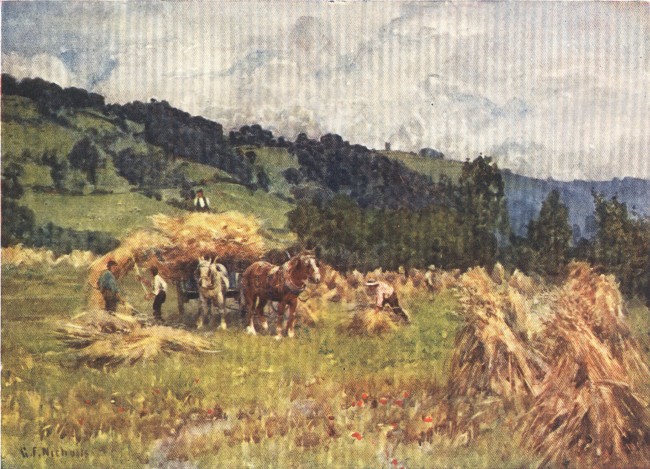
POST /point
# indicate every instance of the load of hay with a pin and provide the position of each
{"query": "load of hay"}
(588, 410)
(174, 245)
(108, 340)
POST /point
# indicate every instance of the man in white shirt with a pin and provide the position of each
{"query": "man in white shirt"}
(159, 293)
(385, 295)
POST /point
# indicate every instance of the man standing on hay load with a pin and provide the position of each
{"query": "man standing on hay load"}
(385, 295)
(201, 202)
(108, 287)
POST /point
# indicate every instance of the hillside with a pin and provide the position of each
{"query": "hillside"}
(114, 204)
(152, 156)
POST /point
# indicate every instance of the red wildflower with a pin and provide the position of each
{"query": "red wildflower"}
(427, 419)
(121, 410)
(360, 403)
(394, 462)
(87, 401)
(406, 394)
(357, 435)
(364, 396)
(353, 403)
(80, 421)
(330, 417)
(156, 391)
(210, 411)
(398, 402)
(383, 401)
(395, 426)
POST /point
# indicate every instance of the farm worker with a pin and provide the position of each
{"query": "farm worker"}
(159, 293)
(428, 277)
(201, 202)
(108, 287)
(385, 295)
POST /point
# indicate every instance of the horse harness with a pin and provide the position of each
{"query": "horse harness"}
(214, 281)
(277, 282)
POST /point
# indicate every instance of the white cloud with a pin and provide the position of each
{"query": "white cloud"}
(41, 65)
(550, 89)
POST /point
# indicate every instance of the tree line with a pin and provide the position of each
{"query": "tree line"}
(471, 228)
(368, 177)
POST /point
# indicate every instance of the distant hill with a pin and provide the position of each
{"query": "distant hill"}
(153, 153)
(525, 194)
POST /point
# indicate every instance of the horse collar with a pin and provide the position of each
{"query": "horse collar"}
(294, 289)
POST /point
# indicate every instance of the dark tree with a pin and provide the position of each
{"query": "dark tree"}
(550, 235)
(11, 186)
(263, 180)
(58, 168)
(622, 245)
(86, 157)
(480, 201)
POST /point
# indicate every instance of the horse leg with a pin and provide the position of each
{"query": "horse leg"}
(278, 323)
(203, 304)
(292, 318)
(221, 304)
(209, 318)
(250, 308)
(260, 314)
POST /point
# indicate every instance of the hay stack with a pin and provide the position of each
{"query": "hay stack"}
(28, 257)
(588, 411)
(524, 284)
(106, 340)
(355, 279)
(368, 322)
(174, 244)
(499, 274)
(489, 358)
(444, 280)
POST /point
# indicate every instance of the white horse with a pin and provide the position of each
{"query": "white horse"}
(212, 282)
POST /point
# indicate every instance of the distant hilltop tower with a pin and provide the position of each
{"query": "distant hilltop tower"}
(387, 146)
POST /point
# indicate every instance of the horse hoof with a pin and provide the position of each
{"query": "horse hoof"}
(223, 326)
(265, 325)
(290, 334)
(278, 337)
(250, 330)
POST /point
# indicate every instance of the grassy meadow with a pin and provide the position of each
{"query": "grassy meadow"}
(256, 401)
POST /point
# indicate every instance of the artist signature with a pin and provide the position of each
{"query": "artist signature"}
(52, 452)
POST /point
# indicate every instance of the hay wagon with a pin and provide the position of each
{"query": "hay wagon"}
(174, 245)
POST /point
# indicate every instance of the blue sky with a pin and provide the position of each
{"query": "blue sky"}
(549, 89)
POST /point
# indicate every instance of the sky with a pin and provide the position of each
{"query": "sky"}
(549, 89)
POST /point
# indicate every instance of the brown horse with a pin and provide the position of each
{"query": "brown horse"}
(263, 282)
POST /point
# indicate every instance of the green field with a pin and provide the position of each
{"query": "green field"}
(120, 417)
(428, 166)
(116, 214)
(275, 161)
